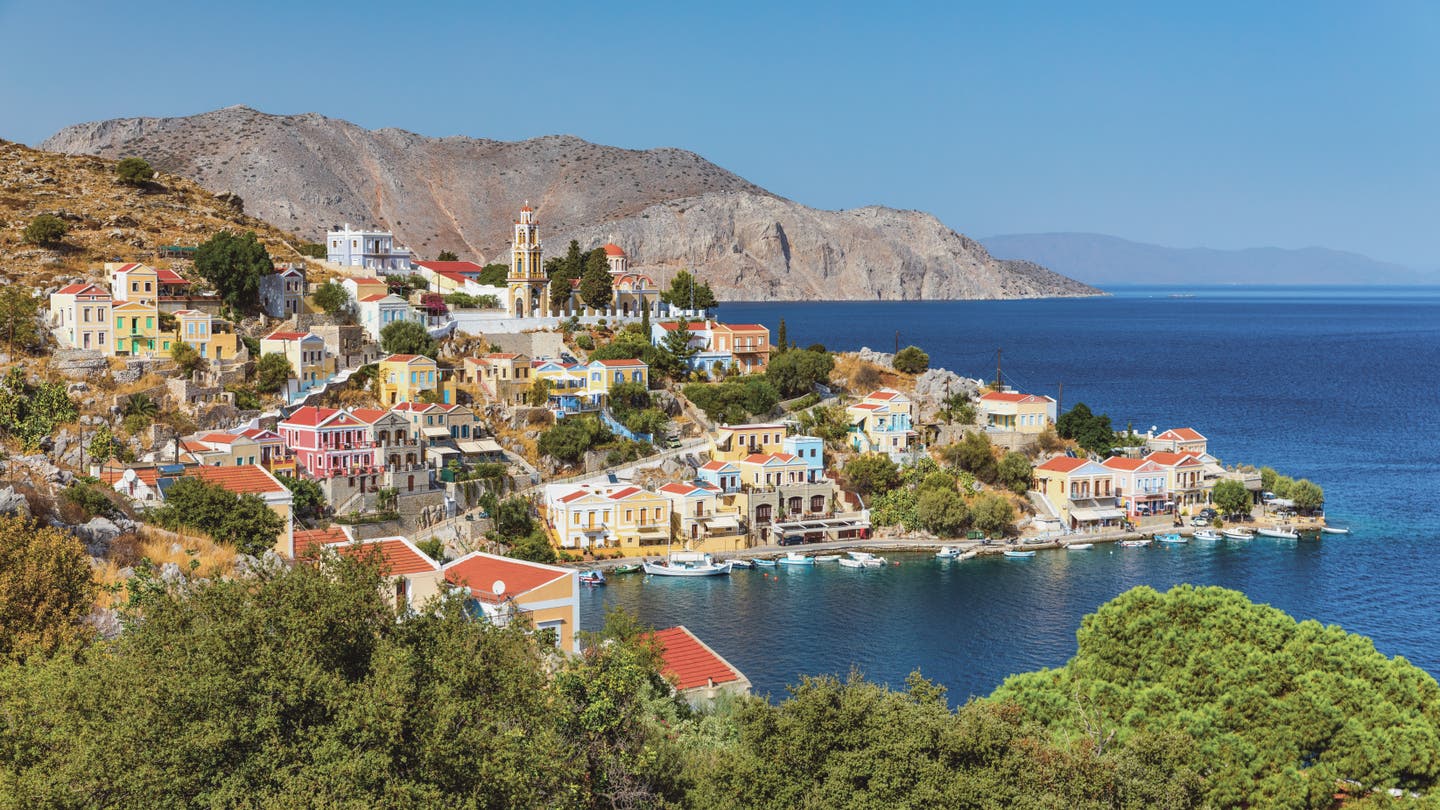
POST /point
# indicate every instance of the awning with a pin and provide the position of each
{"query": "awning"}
(721, 522)
(435, 432)
(1089, 515)
(484, 447)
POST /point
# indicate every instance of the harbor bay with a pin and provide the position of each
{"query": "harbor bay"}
(1336, 385)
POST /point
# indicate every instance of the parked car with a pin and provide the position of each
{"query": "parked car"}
(792, 539)
(1200, 520)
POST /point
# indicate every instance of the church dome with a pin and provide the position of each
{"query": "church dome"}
(612, 249)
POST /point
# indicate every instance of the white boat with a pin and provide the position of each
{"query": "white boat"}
(873, 562)
(796, 558)
(1282, 532)
(1133, 543)
(1237, 534)
(849, 562)
(826, 557)
(1019, 554)
(1079, 546)
(1207, 534)
(687, 564)
(947, 553)
(860, 555)
(1333, 530)
(742, 564)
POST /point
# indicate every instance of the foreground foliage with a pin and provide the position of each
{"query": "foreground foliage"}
(1278, 710)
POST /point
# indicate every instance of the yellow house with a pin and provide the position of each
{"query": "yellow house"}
(703, 521)
(411, 577)
(503, 588)
(586, 516)
(734, 442)
(765, 470)
(1021, 413)
(209, 335)
(305, 351)
(606, 374)
(1082, 491)
(404, 377)
(82, 312)
(137, 329)
(881, 423)
(502, 377)
(133, 282)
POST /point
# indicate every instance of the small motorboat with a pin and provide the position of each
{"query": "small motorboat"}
(850, 562)
(1133, 543)
(741, 564)
(1237, 534)
(1284, 532)
(796, 558)
(592, 577)
(1333, 530)
(947, 553)
(826, 557)
(687, 564)
(761, 562)
(1172, 539)
(1079, 546)
(1015, 553)
(625, 569)
(1207, 534)
(860, 555)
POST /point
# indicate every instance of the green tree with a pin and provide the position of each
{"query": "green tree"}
(187, 357)
(272, 372)
(993, 514)
(1231, 497)
(975, 455)
(46, 591)
(957, 408)
(46, 229)
(408, 337)
(871, 472)
(242, 521)
(569, 439)
(796, 372)
(494, 275)
(513, 519)
(1015, 472)
(234, 265)
(1307, 496)
(595, 282)
(539, 393)
(1282, 710)
(1091, 431)
(104, 446)
(18, 310)
(911, 360)
(30, 413)
(677, 343)
(134, 171)
(309, 499)
(781, 339)
(313, 250)
(534, 547)
(942, 511)
(686, 292)
(332, 298)
(141, 404)
(447, 256)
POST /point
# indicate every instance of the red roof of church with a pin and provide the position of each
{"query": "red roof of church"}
(685, 658)
(612, 249)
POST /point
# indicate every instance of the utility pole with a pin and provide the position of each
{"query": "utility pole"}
(1060, 400)
(897, 341)
(998, 377)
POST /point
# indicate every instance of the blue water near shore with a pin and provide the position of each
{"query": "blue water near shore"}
(1339, 385)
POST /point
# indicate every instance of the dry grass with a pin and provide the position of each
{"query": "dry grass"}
(861, 377)
(210, 559)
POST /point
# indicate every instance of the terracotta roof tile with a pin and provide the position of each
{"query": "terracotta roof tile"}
(1062, 464)
(396, 555)
(246, 479)
(689, 661)
(479, 572)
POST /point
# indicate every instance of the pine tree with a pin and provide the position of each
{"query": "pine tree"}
(780, 343)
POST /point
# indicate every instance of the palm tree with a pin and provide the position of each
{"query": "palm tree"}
(142, 405)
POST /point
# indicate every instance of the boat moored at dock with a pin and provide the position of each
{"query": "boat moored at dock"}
(1282, 532)
(1017, 554)
(796, 558)
(1237, 534)
(1207, 534)
(1080, 547)
(687, 564)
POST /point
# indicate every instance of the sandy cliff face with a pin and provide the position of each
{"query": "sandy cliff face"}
(668, 207)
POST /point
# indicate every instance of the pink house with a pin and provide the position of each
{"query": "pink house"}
(329, 442)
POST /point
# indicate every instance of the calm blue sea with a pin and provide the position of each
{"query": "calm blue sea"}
(1339, 385)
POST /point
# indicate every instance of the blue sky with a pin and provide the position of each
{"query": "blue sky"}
(1217, 124)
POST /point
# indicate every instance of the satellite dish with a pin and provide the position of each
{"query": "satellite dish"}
(498, 588)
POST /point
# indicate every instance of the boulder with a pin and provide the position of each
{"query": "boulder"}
(97, 535)
(13, 503)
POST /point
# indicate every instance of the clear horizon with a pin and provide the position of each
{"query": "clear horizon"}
(1229, 126)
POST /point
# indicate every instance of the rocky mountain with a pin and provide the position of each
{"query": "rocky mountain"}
(1099, 259)
(669, 208)
(107, 219)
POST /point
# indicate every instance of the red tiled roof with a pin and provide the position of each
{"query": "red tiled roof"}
(683, 489)
(309, 416)
(367, 415)
(364, 280)
(376, 297)
(396, 555)
(219, 438)
(247, 479)
(612, 249)
(277, 335)
(260, 434)
(742, 327)
(1171, 459)
(624, 493)
(766, 458)
(168, 276)
(91, 290)
(577, 494)
(1182, 434)
(621, 363)
(1123, 463)
(403, 358)
(1007, 396)
(715, 465)
(867, 406)
(479, 572)
(685, 658)
(882, 394)
(1062, 464)
(307, 540)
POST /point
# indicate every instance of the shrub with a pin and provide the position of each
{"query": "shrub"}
(46, 229)
(134, 171)
(584, 341)
(911, 360)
